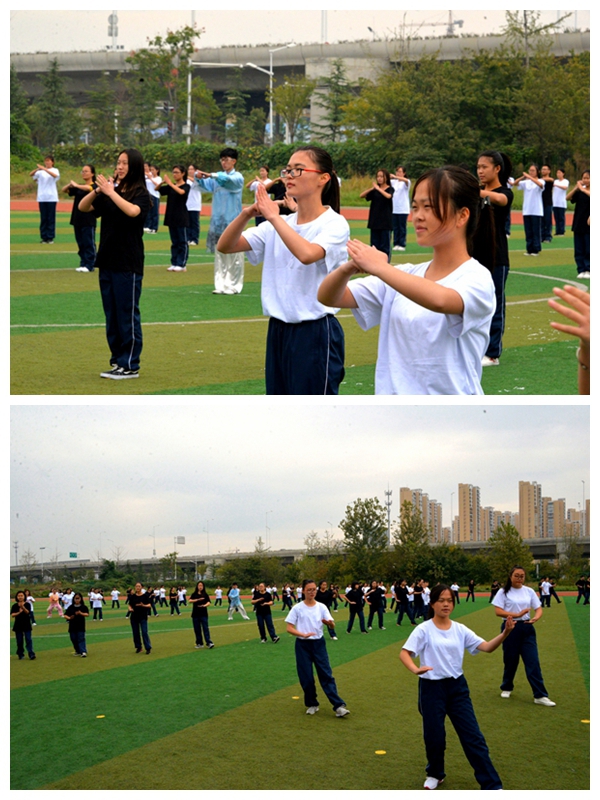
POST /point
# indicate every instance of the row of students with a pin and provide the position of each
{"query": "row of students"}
(434, 318)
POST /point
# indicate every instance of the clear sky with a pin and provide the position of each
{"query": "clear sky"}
(67, 30)
(92, 478)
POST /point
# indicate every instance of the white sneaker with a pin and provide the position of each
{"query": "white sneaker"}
(543, 701)
(432, 783)
(83, 269)
(490, 362)
(505, 695)
(583, 274)
(312, 710)
(341, 711)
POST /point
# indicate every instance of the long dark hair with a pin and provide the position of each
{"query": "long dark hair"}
(508, 585)
(501, 160)
(136, 176)
(451, 189)
(330, 195)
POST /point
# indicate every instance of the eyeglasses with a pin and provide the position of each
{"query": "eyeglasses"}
(296, 172)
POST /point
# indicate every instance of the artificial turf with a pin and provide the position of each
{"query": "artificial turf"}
(199, 343)
(232, 718)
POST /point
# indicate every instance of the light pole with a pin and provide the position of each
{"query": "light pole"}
(274, 50)
(42, 556)
(267, 529)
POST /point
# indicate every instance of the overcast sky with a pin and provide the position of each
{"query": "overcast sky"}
(61, 31)
(94, 478)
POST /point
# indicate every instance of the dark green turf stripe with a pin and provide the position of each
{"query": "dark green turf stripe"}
(579, 617)
(548, 368)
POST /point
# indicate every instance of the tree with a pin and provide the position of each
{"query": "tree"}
(365, 536)
(290, 99)
(411, 542)
(159, 78)
(524, 30)
(242, 127)
(508, 550)
(168, 564)
(333, 100)
(53, 118)
(20, 132)
(572, 564)
(104, 111)
(28, 562)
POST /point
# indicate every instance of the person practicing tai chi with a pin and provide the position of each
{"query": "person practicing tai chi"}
(435, 316)
(305, 342)
(226, 187)
(439, 644)
(305, 621)
(235, 602)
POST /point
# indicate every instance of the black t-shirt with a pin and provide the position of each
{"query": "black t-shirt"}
(356, 596)
(176, 215)
(136, 601)
(260, 608)
(547, 192)
(121, 237)
(380, 213)
(199, 609)
(325, 597)
(278, 191)
(77, 623)
(23, 621)
(375, 597)
(582, 212)
(81, 219)
(482, 247)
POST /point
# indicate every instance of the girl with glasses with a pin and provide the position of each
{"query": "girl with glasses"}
(305, 342)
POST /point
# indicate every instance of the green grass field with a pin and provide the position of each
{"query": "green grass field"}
(232, 718)
(199, 343)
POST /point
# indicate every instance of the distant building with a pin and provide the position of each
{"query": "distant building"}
(530, 510)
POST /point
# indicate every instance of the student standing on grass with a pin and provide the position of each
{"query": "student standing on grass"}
(400, 207)
(46, 178)
(374, 598)
(559, 202)
(139, 605)
(439, 644)
(491, 247)
(84, 225)
(580, 196)
(76, 614)
(515, 601)
(532, 187)
(226, 187)
(434, 317)
(54, 603)
(380, 212)
(355, 599)
(326, 596)
(305, 342)
(470, 591)
(235, 602)
(173, 595)
(115, 598)
(153, 181)
(194, 207)
(305, 621)
(176, 216)
(200, 602)
(21, 617)
(548, 181)
(262, 602)
(123, 207)
(29, 598)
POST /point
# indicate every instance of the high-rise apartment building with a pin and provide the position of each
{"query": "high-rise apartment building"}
(468, 513)
(530, 510)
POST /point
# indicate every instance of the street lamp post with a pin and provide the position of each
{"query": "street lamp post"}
(42, 550)
(274, 50)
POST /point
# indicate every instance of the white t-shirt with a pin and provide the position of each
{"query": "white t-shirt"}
(532, 198)
(559, 195)
(426, 593)
(96, 599)
(442, 650)
(546, 588)
(307, 619)
(152, 185)
(194, 200)
(401, 197)
(421, 351)
(516, 600)
(115, 594)
(46, 189)
(289, 288)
